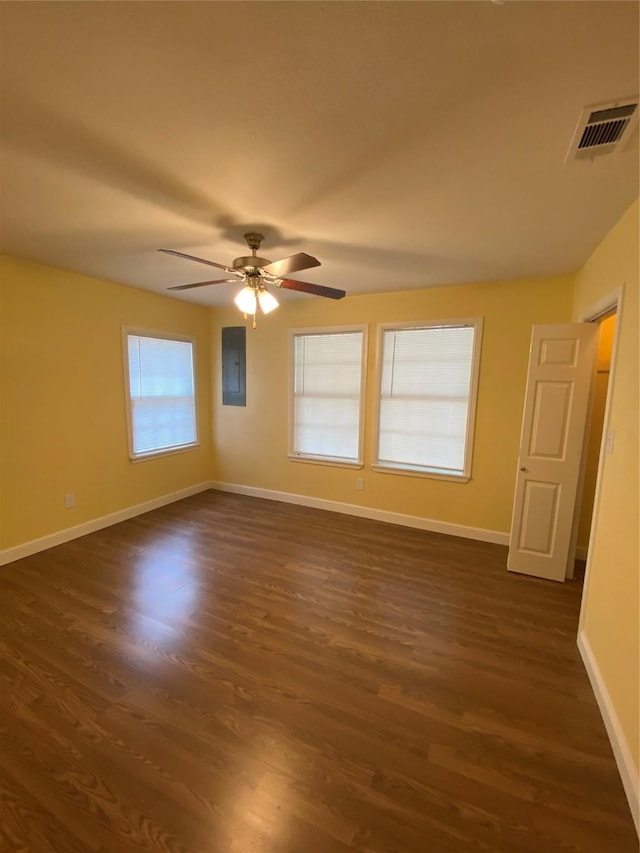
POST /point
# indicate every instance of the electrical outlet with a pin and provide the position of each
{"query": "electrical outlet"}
(359, 484)
(69, 500)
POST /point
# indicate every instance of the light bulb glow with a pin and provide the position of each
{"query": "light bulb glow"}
(267, 301)
(246, 300)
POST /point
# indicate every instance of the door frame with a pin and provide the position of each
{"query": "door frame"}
(612, 302)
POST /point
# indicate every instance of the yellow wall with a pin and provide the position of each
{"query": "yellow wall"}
(611, 621)
(251, 443)
(605, 344)
(63, 425)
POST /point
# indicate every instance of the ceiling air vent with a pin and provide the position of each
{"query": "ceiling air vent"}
(603, 128)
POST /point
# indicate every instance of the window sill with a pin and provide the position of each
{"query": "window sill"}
(324, 460)
(430, 474)
(170, 451)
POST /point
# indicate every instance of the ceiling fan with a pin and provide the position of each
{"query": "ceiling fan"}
(257, 272)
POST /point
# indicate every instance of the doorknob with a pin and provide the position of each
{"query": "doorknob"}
(523, 469)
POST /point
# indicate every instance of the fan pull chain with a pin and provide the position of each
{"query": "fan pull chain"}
(244, 317)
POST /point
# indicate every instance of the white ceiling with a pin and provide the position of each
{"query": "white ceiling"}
(404, 144)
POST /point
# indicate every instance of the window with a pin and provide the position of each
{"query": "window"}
(427, 383)
(326, 400)
(161, 399)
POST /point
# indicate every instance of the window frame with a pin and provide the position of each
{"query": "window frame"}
(312, 459)
(424, 471)
(136, 331)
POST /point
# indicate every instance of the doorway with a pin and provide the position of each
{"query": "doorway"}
(593, 446)
(606, 313)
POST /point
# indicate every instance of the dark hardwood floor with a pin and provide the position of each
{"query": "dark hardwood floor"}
(231, 675)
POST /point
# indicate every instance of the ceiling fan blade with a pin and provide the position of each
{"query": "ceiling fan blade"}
(295, 263)
(203, 283)
(316, 289)
(193, 258)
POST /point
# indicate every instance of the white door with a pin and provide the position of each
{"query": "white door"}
(561, 364)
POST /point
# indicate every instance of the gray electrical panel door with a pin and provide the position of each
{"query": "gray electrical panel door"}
(234, 366)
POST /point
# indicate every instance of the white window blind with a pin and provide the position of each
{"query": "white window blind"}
(327, 386)
(162, 397)
(426, 385)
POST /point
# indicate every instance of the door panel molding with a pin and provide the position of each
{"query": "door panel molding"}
(552, 404)
(539, 517)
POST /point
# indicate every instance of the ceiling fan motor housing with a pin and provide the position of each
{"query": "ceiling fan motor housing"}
(250, 262)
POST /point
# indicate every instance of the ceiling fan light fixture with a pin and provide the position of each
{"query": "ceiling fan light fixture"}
(267, 301)
(246, 300)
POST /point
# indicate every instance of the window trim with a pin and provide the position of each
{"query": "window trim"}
(331, 461)
(422, 471)
(165, 336)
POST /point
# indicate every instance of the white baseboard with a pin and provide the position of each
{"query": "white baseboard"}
(429, 524)
(8, 555)
(626, 765)
(35, 545)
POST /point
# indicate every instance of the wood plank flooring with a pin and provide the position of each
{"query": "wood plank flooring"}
(231, 675)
